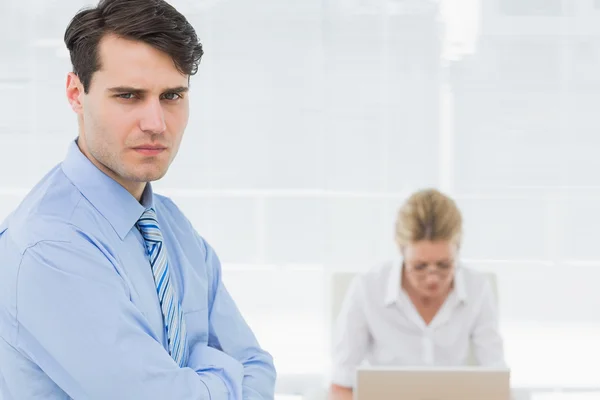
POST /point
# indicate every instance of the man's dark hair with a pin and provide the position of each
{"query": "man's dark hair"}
(154, 22)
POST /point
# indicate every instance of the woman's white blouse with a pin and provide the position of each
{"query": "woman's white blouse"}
(379, 324)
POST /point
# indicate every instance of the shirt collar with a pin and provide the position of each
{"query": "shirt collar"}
(111, 199)
(393, 291)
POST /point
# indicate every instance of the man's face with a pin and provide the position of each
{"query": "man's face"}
(133, 117)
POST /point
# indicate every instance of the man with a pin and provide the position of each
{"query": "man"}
(106, 290)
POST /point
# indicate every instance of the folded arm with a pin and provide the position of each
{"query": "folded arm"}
(77, 323)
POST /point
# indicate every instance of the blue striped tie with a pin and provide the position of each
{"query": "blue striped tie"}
(169, 302)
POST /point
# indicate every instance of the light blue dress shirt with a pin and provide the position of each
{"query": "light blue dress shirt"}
(79, 312)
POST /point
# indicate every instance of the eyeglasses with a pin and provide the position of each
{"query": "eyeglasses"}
(441, 268)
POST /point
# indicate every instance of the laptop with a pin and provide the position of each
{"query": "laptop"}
(432, 383)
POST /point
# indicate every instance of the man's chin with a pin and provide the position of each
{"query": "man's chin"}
(148, 176)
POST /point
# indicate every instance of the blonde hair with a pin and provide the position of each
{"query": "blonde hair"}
(428, 215)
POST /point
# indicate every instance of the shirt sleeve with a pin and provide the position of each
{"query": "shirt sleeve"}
(231, 343)
(351, 336)
(487, 342)
(77, 323)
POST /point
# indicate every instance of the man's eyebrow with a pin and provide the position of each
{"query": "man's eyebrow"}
(126, 89)
(131, 89)
(177, 89)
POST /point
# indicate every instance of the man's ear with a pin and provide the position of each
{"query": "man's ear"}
(75, 92)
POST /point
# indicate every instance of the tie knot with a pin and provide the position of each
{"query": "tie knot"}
(149, 216)
(148, 224)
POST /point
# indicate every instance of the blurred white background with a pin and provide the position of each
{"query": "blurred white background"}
(311, 122)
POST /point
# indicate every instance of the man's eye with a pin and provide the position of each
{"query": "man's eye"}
(171, 96)
(126, 96)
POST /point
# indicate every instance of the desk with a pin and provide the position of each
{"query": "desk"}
(314, 387)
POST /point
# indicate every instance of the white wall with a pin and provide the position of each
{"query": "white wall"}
(312, 120)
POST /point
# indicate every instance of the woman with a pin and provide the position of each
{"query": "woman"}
(423, 310)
